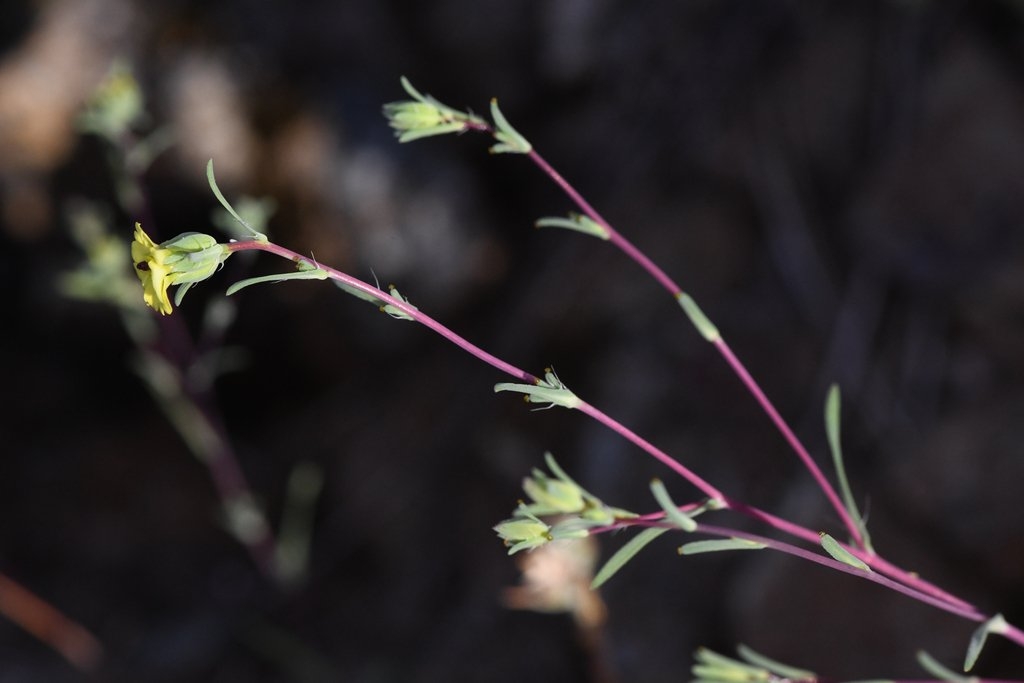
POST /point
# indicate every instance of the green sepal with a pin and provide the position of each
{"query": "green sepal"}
(394, 311)
(562, 495)
(439, 129)
(625, 554)
(180, 294)
(717, 545)
(523, 533)
(549, 390)
(425, 116)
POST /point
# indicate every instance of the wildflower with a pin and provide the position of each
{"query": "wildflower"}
(560, 495)
(523, 533)
(549, 390)
(115, 107)
(424, 116)
(185, 260)
(552, 496)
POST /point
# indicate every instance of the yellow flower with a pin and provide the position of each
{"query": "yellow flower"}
(184, 260)
(151, 267)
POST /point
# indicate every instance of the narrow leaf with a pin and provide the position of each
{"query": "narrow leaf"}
(719, 545)
(942, 673)
(716, 667)
(316, 274)
(832, 422)
(227, 205)
(625, 554)
(672, 511)
(838, 552)
(712, 658)
(440, 129)
(358, 293)
(777, 668)
(575, 221)
(509, 139)
(996, 624)
(704, 325)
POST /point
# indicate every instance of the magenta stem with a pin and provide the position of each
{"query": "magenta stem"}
(627, 247)
(817, 558)
(791, 439)
(885, 574)
(660, 455)
(858, 547)
(377, 293)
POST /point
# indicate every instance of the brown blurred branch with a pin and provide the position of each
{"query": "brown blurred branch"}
(44, 621)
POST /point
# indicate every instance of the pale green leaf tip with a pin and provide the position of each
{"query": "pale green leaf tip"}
(778, 668)
(838, 552)
(624, 554)
(996, 624)
(672, 511)
(703, 324)
(934, 668)
(719, 545)
(509, 139)
(576, 222)
(212, 180)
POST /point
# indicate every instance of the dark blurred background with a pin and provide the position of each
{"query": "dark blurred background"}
(839, 184)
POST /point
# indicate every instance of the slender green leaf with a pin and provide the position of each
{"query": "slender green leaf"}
(716, 667)
(838, 552)
(942, 673)
(577, 222)
(509, 139)
(712, 658)
(697, 317)
(832, 422)
(315, 274)
(227, 205)
(719, 545)
(557, 470)
(718, 674)
(672, 511)
(440, 129)
(777, 668)
(625, 554)
(996, 624)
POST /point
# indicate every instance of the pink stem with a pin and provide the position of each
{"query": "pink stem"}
(791, 439)
(886, 574)
(660, 455)
(616, 238)
(377, 293)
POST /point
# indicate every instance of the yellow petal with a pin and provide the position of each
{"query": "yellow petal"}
(148, 260)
